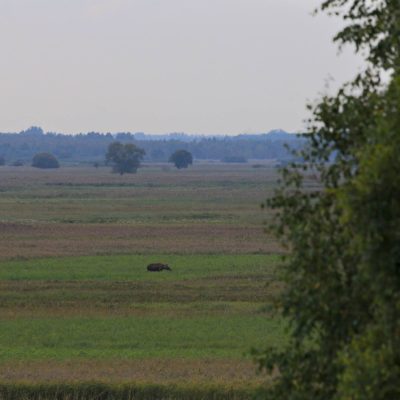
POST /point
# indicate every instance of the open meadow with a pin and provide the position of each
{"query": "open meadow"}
(77, 304)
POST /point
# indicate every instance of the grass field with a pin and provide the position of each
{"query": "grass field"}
(133, 267)
(136, 337)
(81, 195)
(77, 304)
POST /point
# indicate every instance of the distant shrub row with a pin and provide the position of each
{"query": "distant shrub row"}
(40, 160)
(124, 158)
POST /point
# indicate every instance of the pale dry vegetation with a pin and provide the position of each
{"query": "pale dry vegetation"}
(126, 371)
(21, 240)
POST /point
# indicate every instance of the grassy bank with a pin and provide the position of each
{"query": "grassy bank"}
(125, 392)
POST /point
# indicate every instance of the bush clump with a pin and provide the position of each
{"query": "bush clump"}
(181, 159)
(45, 160)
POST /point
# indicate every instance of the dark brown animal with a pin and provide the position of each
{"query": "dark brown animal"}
(157, 267)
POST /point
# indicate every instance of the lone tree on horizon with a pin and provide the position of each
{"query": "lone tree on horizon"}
(124, 158)
(181, 159)
(45, 161)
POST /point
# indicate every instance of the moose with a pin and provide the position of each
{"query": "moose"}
(157, 267)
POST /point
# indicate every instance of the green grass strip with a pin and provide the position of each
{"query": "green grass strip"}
(137, 337)
(133, 267)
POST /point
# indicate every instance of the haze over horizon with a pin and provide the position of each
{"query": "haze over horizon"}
(153, 66)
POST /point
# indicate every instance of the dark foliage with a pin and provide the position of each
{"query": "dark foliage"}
(342, 294)
(124, 158)
(45, 161)
(181, 159)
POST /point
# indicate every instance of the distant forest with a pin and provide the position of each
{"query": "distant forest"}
(92, 146)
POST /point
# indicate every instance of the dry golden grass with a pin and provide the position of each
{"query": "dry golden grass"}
(244, 295)
(156, 174)
(146, 371)
(50, 240)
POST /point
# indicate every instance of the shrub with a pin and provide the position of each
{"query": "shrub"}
(181, 159)
(124, 158)
(45, 160)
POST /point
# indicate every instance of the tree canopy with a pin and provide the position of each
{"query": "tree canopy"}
(342, 292)
(45, 161)
(124, 158)
(181, 159)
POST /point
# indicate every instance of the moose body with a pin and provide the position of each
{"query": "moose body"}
(157, 267)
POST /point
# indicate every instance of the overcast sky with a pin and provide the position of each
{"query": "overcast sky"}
(199, 66)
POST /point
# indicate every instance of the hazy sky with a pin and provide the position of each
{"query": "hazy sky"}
(199, 66)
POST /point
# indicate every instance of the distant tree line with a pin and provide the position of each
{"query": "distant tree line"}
(92, 146)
